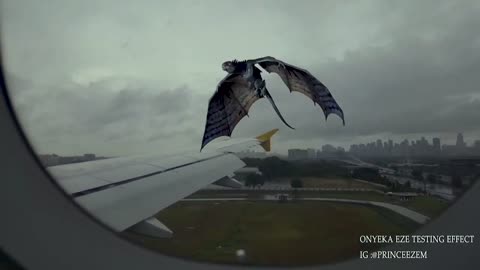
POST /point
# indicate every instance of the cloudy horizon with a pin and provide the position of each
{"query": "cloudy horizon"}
(126, 79)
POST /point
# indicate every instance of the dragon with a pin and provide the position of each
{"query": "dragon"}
(243, 85)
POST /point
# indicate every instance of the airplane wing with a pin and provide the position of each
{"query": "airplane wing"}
(126, 192)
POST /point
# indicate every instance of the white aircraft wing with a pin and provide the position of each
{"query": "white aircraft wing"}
(126, 192)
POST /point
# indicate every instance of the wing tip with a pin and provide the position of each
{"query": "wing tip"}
(341, 117)
(265, 139)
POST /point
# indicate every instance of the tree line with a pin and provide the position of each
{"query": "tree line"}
(274, 167)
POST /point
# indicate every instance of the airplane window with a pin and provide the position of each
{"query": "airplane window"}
(273, 133)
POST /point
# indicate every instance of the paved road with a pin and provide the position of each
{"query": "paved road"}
(279, 187)
(439, 190)
(415, 216)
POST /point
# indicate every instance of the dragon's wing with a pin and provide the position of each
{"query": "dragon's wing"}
(227, 107)
(302, 81)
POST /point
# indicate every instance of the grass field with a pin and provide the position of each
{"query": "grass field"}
(427, 205)
(319, 182)
(272, 233)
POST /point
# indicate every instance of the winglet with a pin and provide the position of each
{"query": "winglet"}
(265, 139)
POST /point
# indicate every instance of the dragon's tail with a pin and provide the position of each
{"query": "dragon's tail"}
(269, 97)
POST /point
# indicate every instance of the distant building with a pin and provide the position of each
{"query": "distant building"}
(311, 153)
(53, 159)
(390, 146)
(379, 146)
(296, 154)
(328, 148)
(89, 156)
(460, 142)
(49, 160)
(449, 149)
(71, 159)
(437, 148)
(476, 146)
(251, 154)
(414, 148)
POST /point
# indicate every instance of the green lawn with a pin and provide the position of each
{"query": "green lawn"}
(354, 195)
(272, 233)
(330, 182)
(427, 205)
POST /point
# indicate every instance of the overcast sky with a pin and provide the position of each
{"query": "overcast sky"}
(119, 79)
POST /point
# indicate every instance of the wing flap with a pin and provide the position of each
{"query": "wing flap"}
(167, 162)
(124, 205)
(126, 192)
(81, 182)
(126, 172)
(152, 227)
(228, 181)
(90, 175)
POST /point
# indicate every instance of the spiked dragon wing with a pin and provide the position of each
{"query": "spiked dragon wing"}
(302, 81)
(228, 105)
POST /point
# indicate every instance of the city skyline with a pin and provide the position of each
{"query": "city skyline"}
(421, 146)
(402, 148)
(474, 143)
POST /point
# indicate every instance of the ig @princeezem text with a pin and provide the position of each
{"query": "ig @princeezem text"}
(394, 254)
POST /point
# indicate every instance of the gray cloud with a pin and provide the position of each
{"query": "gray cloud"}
(138, 113)
(411, 85)
(118, 79)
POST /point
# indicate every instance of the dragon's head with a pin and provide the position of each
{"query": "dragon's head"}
(229, 66)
